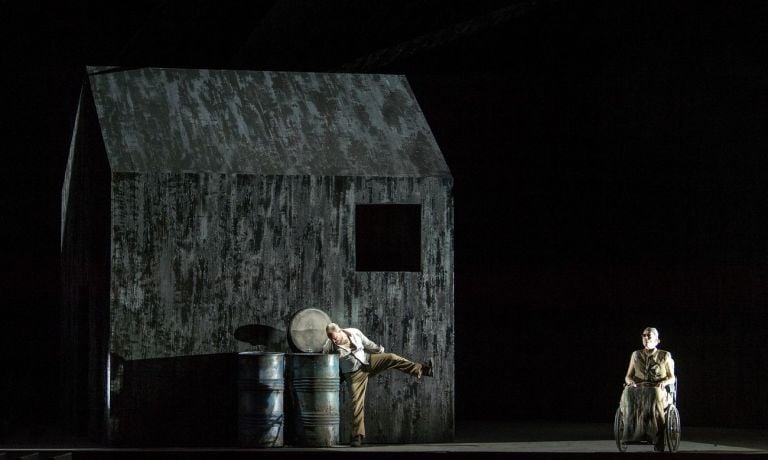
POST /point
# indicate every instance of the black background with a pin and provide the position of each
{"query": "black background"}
(609, 161)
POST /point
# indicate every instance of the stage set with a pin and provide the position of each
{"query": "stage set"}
(201, 207)
(505, 193)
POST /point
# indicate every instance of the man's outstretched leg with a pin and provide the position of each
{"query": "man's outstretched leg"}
(383, 361)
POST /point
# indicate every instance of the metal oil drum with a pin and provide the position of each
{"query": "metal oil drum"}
(261, 384)
(313, 379)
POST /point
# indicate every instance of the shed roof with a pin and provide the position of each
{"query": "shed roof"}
(249, 122)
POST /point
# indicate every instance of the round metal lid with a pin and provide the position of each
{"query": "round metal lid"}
(306, 331)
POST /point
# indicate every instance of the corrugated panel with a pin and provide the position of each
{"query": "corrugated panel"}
(267, 123)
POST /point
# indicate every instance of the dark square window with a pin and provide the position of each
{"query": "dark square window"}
(388, 238)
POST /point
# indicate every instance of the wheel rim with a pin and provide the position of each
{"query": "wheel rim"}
(618, 431)
(672, 432)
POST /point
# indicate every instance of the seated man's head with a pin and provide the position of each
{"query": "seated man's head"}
(334, 332)
(650, 338)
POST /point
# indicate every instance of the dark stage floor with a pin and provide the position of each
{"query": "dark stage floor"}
(473, 439)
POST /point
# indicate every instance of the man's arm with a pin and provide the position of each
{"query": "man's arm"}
(628, 378)
(370, 346)
(328, 347)
(670, 373)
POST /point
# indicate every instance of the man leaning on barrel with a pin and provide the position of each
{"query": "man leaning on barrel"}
(359, 359)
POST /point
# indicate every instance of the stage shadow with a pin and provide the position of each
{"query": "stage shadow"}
(178, 401)
(263, 338)
(185, 401)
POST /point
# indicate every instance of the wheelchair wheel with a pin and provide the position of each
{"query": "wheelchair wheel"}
(618, 430)
(672, 429)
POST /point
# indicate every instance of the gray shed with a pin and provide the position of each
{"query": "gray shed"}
(198, 204)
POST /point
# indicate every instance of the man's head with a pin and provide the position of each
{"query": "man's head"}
(650, 338)
(334, 332)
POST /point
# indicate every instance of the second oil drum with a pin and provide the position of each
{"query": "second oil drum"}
(313, 382)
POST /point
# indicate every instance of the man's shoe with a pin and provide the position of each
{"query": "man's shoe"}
(427, 369)
(357, 441)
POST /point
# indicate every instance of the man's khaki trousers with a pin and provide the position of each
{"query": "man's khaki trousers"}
(358, 383)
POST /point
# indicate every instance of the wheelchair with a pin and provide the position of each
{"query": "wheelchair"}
(671, 425)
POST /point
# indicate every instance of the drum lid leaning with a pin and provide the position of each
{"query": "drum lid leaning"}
(306, 331)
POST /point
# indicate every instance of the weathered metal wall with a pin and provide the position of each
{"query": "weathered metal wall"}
(195, 256)
(231, 207)
(264, 123)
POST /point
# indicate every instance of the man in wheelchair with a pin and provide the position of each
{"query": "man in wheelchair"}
(646, 395)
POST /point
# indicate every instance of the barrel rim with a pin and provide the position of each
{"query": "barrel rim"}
(261, 353)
